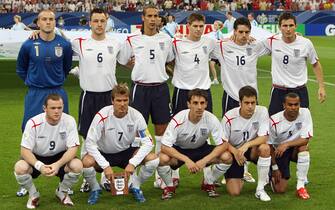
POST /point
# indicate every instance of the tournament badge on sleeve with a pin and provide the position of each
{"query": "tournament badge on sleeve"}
(120, 184)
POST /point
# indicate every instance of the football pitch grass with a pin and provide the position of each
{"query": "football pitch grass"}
(189, 196)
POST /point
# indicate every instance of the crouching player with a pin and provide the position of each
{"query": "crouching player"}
(109, 143)
(246, 129)
(185, 142)
(290, 131)
(49, 145)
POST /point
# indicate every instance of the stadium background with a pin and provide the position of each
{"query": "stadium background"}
(189, 196)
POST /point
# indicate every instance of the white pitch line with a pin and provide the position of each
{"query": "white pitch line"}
(312, 80)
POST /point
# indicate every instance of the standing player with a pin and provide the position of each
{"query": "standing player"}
(43, 65)
(185, 142)
(110, 143)
(246, 130)
(216, 34)
(49, 145)
(97, 63)
(229, 22)
(290, 131)
(191, 68)
(252, 20)
(289, 65)
(150, 92)
(238, 61)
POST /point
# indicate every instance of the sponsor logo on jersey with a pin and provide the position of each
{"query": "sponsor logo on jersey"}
(162, 45)
(110, 49)
(296, 52)
(255, 125)
(298, 125)
(130, 128)
(58, 51)
(204, 48)
(62, 135)
(249, 51)
(203, 131)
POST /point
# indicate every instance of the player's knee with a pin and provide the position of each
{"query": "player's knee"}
(21, 167)
(152, 164)
(88, 161)
(163, 159)
(264, 150)
(226, 158)
(75, 165)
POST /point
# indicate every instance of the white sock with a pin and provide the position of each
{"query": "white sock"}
(175, 173)
(214, 172)
(158, 144)
(68, 181)
(263, 167)
(26, 181)
(302, 168)
(90, 176)
(246, 164)
(157, 151)
(165, 173)
(145, 172)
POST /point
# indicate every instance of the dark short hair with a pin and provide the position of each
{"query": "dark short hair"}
(291, 95)
(195, 17)
(98, 11)
(247, 91)
(242, 21)
(54, 97)
(197, 92)
(287, 16)
(121, 89)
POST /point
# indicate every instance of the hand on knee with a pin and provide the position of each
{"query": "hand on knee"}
(227, 158)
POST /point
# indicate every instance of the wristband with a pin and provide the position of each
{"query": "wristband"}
(38, 165)
(274, 167)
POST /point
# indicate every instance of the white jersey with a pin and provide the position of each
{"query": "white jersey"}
(111, 135)
(47, 140)
(238, 65)
(289, 61)
(191, 68)
(238, 130)
(97, 62)
(184, 134)
(151, 54)
(282, 130)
